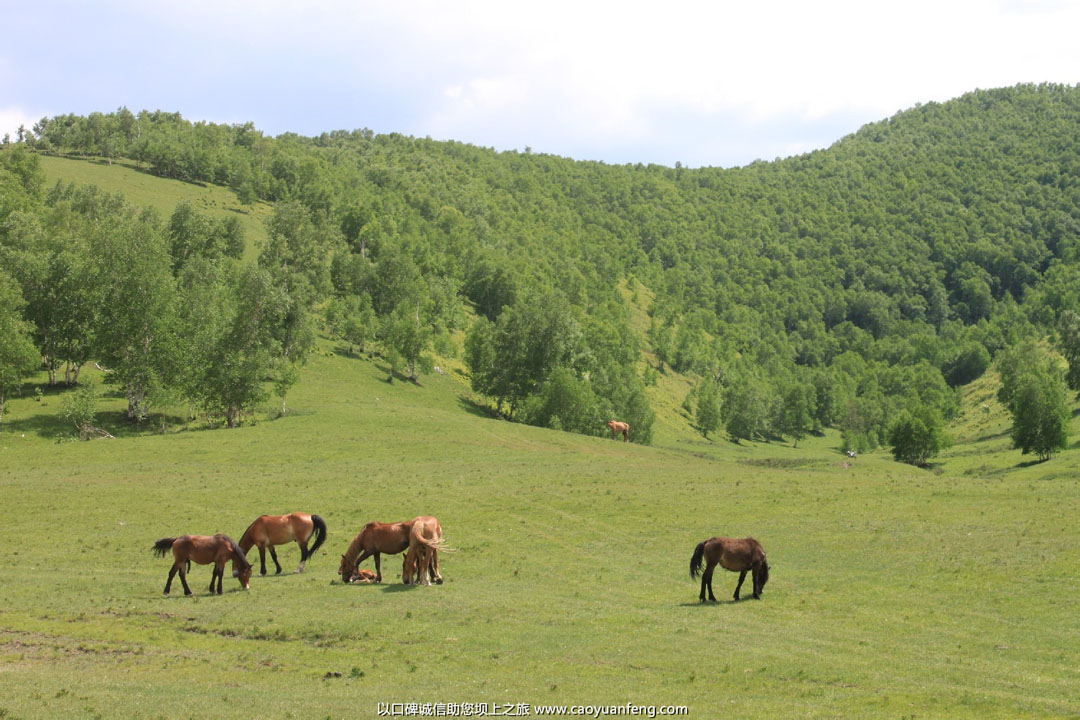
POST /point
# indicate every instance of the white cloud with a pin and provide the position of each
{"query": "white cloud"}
(576, 77)
(12, 117)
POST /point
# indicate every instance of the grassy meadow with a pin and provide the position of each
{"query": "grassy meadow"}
(894, 591)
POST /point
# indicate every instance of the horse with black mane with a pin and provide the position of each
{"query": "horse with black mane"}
(736, 554)
(270, 530)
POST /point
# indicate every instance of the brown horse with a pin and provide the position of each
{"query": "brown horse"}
(375, 539)
(735, 554)
(617, 427)
(270, 530)
(422, 561)
(204, 549)
(363, 576)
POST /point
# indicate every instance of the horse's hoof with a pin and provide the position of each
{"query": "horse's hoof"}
(262, 573)
(165, 594)
(438, 581)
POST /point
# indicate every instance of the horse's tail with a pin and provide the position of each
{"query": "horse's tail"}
(319, 533)
(696, 564)
(163, 546)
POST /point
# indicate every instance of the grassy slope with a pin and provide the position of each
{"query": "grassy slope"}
(894, 591)
(143, 189)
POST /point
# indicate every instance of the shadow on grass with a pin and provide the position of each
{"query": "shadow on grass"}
(43, 425)
(712, 603)
(392, 375)
(398, 587)
(474, 408)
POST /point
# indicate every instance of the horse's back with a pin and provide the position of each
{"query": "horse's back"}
(735, 554)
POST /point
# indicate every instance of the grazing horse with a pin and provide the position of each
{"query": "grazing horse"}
(617, 427)
(375, 539)
(421, 564)
(735, 554)
(204, 549)
(270, 530)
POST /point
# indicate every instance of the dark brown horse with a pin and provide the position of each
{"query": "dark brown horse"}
(270, 530)
(421, 563)
(617, 427)
(375, 539)
(204, 549)
(736, 554)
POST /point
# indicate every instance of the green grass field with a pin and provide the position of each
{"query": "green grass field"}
(894, 592)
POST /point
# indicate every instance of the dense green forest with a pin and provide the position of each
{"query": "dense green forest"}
(855, 287)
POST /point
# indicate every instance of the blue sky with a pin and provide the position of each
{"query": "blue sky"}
(704, 83)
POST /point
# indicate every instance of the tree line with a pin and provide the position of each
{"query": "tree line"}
(849, 287)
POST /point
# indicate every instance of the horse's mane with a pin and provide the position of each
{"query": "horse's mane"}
(238, 554)
(244, 536)
(354, 547)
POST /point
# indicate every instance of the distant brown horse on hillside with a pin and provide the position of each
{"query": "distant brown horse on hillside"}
(738, 555)
(617, 427)
(270, 530)
(204, 549)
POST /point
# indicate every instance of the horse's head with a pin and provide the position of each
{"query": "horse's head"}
(409, 567)
(242, 573)
(345, 571)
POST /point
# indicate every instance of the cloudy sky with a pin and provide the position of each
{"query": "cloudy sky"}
(704, 83)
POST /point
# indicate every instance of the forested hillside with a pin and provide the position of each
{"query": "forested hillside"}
(842, 288)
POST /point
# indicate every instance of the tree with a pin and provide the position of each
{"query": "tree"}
(796, 414)
(352, 319)
(1040, 411)
(707, 414)
(18, 356)
(136, 337)
(79, 407)
(230, 320)
(1069, 345)
(917, 436)
(407, 337)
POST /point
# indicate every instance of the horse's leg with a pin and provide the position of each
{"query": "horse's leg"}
(378, 567)
(213, 577)
(183, 578)
(168, 583)
(742, 576)
(262, 559)
(303, 555)
(435, 567)
(710, 572)
(424, 568)
(273, 556)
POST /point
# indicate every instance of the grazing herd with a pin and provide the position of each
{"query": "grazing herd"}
(420, 538)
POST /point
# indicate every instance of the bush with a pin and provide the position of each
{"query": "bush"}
(917, 437)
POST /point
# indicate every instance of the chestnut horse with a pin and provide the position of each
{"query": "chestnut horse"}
(204, 549)
(270, 530)
(421, 564)
(375, 539)
(735, 554)
(617, 427)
